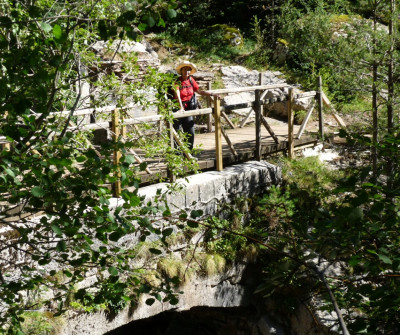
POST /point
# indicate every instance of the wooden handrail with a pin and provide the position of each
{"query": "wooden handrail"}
(217, 112)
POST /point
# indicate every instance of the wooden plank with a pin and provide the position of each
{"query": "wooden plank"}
(306, 95)
(290, 124)
(181, 144)
(248, 89)
(269, 129)
(257, 110)
(139, 160)
(209, 118)
(218, 142)
(244, 121)
(328, 104)
(320, 110)
(339, 120)
(305, 121)
(228, 141)
(228, 120)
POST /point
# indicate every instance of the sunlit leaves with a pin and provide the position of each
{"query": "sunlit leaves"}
(46, 27)
(57, 32)
(171, 13)
(54, 183)
(38, 191)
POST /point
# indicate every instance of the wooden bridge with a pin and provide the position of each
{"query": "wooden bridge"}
(227, 144)
(224, 143)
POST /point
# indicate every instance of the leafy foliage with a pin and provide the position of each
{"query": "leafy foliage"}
(349, 241)
(59, 223)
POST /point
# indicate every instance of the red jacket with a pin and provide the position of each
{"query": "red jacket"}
(187, 88)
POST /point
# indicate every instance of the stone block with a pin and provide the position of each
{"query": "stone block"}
(152, 192)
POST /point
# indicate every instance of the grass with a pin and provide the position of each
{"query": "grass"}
(40, 323)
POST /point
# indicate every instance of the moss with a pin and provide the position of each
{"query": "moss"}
(231, 35)
(41, 323)
(249, 253)
(176, 239)
(171, 267)
(342, 18)
(283, 41)
(213, 264)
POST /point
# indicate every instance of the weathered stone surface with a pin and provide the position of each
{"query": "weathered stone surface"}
(207, 190)
(217, 291)
(204, 191)
(239, 76)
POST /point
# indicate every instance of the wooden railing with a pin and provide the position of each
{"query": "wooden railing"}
(118, 124)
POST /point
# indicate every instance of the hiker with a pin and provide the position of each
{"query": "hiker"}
(185, 94)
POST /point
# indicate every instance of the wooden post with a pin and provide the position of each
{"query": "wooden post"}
(218, 139)
(209, 117)
(260, 82)
(122, 116)
(115, 127)
(257, 110)
(170, 173)
(320, 110)
(304, 123)
(290, 124)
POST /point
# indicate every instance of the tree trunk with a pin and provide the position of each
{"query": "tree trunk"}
(389, 168)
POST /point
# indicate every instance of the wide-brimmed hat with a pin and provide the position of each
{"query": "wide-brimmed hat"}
(184, 64)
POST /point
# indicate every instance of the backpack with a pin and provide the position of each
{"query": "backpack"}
(193, 103)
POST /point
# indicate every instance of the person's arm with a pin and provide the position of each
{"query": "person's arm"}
(178, 97)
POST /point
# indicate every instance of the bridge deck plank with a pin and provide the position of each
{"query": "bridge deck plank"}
(243, 140)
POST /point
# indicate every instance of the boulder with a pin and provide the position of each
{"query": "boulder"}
(239, 76)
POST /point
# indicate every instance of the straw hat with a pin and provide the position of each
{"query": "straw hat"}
(184, 64)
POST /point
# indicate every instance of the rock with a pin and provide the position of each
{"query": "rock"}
(239, 76)
(146, 56)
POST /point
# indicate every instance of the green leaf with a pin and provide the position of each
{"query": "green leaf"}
(196, 214)
(56, 229)
(354, 260)
(67, 273)
(150, 21)
(192, 224)
(61, 246)
(46, 27)
(171, 13)
(80, 159)
(113, 271)
(155, 251)
(161, 23)
(150, 301)
(174, 300)
(115, 236)
(385, 259)
(38, 192)
(130, 159)
(143, 166)
(10, 172)
(57, 32)
(167, 232)
(134, 200)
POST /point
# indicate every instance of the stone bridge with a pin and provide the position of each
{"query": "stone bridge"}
(216, 298)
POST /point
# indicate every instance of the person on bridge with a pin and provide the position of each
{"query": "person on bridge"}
(185, 94)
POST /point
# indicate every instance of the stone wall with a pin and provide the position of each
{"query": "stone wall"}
(205, 191)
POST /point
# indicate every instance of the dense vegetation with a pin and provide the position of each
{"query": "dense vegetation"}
(45, 57)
